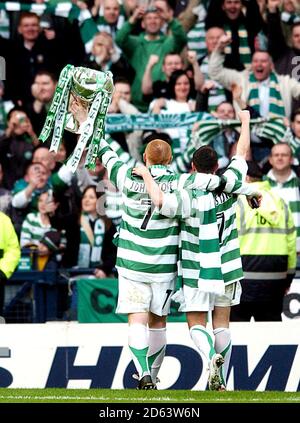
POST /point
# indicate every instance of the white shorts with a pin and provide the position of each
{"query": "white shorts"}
(139, 297)
(231, 297)
(193, 299)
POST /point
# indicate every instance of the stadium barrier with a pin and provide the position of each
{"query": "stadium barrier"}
(265, 357)
(72, 294)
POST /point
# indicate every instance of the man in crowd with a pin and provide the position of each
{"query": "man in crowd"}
(139, 48)
(284, 181)
(264, 90)
(267, 238)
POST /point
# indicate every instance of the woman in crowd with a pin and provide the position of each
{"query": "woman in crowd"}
(95, 249)
(180, 101)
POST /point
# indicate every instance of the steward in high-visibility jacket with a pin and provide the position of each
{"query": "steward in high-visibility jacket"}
(9, 253)
(267, 238)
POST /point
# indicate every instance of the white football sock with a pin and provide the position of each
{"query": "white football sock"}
(139, 346)
(203, 341)
(223, 346)
(157, 349)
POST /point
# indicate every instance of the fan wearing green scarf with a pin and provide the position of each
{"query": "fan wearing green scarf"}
(263, 89)
(203, 253)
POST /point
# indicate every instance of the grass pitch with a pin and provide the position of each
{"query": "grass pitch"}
(133, 396)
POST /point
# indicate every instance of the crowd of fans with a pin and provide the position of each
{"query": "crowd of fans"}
(166, 56)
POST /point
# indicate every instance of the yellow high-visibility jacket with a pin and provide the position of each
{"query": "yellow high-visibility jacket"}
(9, 246)
(267, 237)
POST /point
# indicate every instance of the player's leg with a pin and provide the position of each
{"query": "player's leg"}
(196, 304)
(159, 309)
(222, 338)
(205, 344)
(134, 299)
(157, 343)
(220, 320)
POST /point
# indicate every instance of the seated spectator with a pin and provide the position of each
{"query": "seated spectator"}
(264, 90)
(16, 146)
(179, 102)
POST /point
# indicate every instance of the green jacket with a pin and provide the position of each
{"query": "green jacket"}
(138, 49)
(9, 246)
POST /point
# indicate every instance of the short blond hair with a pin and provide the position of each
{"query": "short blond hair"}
(158, 152)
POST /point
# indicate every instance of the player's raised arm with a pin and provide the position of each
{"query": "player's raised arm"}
(152, 187)
(243, 144)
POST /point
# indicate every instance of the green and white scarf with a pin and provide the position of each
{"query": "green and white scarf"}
(244, 49)
(145, 121)
(90, 247)
(290, 18)
(92, 87)
(293, 141)
(276, 104)
(273, 128)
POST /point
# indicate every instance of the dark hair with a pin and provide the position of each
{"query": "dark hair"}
(295, 112)
(224, 102)
(173, 79)
(205, 159)
(171, 53)
(45, 72)
(121, 80)
(94, 187)
(254, 171)
(15, 109)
